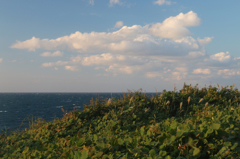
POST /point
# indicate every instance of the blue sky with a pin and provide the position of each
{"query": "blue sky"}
(116, 45)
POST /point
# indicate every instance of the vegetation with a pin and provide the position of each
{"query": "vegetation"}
(190, 124)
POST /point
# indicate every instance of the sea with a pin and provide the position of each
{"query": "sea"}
(18, 109)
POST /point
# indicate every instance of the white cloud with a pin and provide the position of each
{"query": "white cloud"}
(203, 71)
(205, 41)
(49, 54)
(226, 72)
(71, 68)
(112, 2)
(58, 63)
(221, 57)
(1, 60)
(30, 44)
(100, 59)
(161, 2)
(116, 68)
(91, 2)
(153, 74)
(118, 24)
(167, 38)
(175, 27)
(161, 50)
(196, 54)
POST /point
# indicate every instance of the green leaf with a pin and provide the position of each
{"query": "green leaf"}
(129, 139)
(231, 126)
(120, 141)
(190, 141)
(80, 142)
(236, 129)
(216, 126)
(209, 131)
(179, 133)
(162, 153)
(174, 125)
(95, 137)
(134, 143)
(98, 154)
(222, 150)
(152, 153)
(211, 145)
(134, 116)
(162, 146)
(77, 155)
(84, 154)
(172, 138)
(234, 146)
(148, 133)
(227, 144)
(196, 151)
(167, 157)
(142, 131)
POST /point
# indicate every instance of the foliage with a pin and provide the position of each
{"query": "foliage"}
(190, 124)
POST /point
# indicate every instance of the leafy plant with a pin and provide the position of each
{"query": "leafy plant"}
(190, 124)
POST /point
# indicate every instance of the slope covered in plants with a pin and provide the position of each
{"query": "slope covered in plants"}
(186, 125)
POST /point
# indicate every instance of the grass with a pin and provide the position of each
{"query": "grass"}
(190, 124)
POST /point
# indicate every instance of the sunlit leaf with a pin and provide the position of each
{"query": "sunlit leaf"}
(84, 154)
(234, 146)
(142, 131)
(77, 155)
(152, 153)
(120, 141)
(216, 126)
(167, 157)
(196, 151)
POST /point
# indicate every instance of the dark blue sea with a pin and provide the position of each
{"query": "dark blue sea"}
(19, 108)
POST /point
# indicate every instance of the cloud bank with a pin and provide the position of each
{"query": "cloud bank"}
(164, 50)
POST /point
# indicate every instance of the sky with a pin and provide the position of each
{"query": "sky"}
(118, 45)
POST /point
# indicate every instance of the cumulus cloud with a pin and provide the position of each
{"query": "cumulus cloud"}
(205, 41)
(71, 68)
(30, 44)
(112, 2)
(153, 74)
(110, 59)
(49, 54)
(1, 60)
(118, 24)
(161, 2)
(203, 71)
(175, 27)
(91, 2)
(163, 50)
(167, 38)
(58, 63)
(221, 57)
(116, 68)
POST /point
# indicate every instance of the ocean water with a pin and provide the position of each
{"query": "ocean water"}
(17, 108)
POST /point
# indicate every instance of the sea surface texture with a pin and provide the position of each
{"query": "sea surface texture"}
(17, 108)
